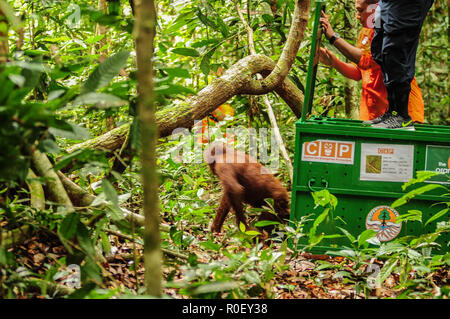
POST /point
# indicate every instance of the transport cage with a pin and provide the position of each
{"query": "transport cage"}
(365, 168)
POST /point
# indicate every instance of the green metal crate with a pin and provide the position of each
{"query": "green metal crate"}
(365, 168)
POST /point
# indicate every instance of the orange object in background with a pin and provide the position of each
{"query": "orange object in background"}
(217, 115)
(374, 102)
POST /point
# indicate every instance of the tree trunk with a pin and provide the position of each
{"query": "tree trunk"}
(145, 26)
(4, 47)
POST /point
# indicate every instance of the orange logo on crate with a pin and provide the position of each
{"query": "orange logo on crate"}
(383, 219)
(325, 151)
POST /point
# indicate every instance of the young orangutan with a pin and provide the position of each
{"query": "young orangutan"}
(244, 181)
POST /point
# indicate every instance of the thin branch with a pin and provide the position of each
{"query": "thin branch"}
(266, 101)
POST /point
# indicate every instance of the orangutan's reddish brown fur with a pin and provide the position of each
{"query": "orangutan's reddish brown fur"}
(244, 181)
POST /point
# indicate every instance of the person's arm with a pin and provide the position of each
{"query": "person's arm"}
(349, 51)
(348, 70)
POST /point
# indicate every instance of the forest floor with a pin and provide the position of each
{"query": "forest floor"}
(302, 279)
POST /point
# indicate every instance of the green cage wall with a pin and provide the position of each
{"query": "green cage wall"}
(365, 168)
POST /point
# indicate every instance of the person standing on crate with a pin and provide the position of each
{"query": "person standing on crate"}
(397, 29)
(374, 96)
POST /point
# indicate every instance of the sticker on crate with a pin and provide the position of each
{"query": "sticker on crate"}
(383, 220)
(386, 162)
(325, 151)
(438, 160)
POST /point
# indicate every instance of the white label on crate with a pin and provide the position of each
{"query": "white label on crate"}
(386, 162)
(326, 151)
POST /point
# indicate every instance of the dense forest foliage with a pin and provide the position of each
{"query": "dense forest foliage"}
(81, 100)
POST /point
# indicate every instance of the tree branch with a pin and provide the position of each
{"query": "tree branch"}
(54, 185)
(266, 101)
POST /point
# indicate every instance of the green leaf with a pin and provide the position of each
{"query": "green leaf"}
(205, 64)
(69, 225)
(171, 89)
(110, 192)
(186, 52)
(437, 215)
(252, 233)
(324, 198)
(321, 217)
(114, 210)
(6, 257)
(366, 235)
(106, 245)
(178, 72)
(205, 20)
(210, 245)
(264, 223)
(94, 39)
(176, 235)
(85, 241)
(412, 215)
(92, 271)
(390, 248)
(385, 271)
(50, 146)
(421, 177)
(182, 20)
(410, 195)
(267, 18)
(342, 274)
(193, 260)
(316, 223)
(252, 277)
(17, 79)
(222, 27)
(188, 179)
(73, 132)
(348, 235)
(105, 72)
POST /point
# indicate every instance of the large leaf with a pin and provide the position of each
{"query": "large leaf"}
(366, 235)
(437, 215)
(105, 72)
(85, 241)
(69, 224)
(205, 20)
(186, 52)
(111, 195)
(418, 191)
(205, 64)
(385, 271)
(71, 131)
(348, 235)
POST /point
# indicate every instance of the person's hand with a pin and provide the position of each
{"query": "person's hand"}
(326, 57)
(326, 26)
